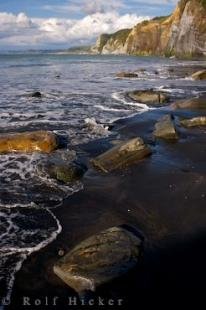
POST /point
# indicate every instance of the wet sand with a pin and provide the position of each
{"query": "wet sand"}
(164, 196)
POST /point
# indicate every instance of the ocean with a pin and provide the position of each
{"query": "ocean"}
(81, 98)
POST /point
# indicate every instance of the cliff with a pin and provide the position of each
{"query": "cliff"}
(112, 43)
(183, 34)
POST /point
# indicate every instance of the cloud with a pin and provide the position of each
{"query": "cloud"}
(101, 6)
(85, 6)
(21, 31)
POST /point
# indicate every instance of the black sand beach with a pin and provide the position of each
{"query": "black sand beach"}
(163, 196)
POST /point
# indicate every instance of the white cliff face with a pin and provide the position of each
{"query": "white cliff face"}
(114, 47)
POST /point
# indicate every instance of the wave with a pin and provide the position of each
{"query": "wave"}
(17, 243)
(26, 197)
(104, 108)
(120, 96)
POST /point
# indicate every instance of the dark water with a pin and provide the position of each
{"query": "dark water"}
(80, 97)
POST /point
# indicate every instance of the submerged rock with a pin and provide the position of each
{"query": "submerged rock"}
(194, 122)
(127, 75)
(151, 97)
(165, 128)
(122, 155)
(65, 172)
(27, 142)
(193, 103)
(36, 94)
(94, 127)
(99, 259)
(200, 75)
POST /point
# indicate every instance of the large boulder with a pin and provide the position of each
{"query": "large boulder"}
(126, 75)
(200, 75)
(193, 103)
(27, 142)
(165, 129)
(194, 122)
(99, 259)
(122, 155)
(151, 97)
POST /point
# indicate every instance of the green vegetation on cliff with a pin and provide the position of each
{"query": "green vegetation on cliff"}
(120, 35)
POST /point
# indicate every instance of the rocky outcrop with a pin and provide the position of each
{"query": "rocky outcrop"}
(122, 155)
(193, 103)
(182, 34)
(194, 122)
(200, 75)
(99, 259)
(165, 129)
(150, 97)
(27, 142)
(126, 75)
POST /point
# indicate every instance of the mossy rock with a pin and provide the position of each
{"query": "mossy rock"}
(200, 75)
(165, 129)
(194, 122)
(150, 97)
(100, 259)
(65, 172)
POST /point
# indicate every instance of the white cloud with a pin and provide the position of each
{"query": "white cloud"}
(22, 31)
(101, 6)
(85, 6)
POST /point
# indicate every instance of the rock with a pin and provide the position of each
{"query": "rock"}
(127, 75)
(65, 172)
(27, 142)
(94, 127)
(193, 103)
(200, 75)
(36, 94)
(99, 259)
(154, 98)
(122, 155)
(142, 70)
(194, 122)
(165, 128)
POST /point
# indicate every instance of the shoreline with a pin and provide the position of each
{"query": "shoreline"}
(163, 196)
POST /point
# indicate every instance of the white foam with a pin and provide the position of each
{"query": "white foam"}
(13, 242)
(22, 230)
(104, 108)
(170, 90)
(120, 96)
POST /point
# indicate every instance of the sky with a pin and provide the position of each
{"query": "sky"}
(56, 24)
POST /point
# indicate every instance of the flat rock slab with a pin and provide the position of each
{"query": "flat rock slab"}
(165, 129)
(122, 155)
(200, 75)
(194, 122)
(193, 103)
(154, 98)
(27, 142)
(126, 75)
(99, 259)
